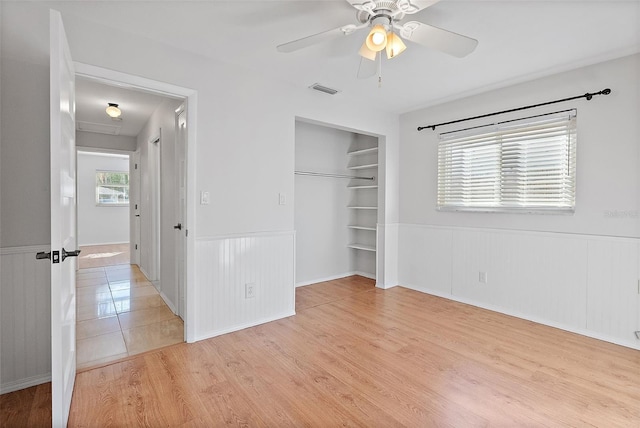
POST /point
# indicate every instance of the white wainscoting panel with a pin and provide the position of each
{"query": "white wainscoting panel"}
(540, 275)
(387, 255)
(25, 318)
(424, 257)
(613, 288)
(226, 264)
(581, 283)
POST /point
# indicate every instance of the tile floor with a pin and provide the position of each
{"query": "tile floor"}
(119, 314)
(103, 255)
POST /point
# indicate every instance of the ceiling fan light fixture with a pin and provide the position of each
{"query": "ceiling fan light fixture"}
(377, 38)
(113, 110)
(367, 53)
(395, 45)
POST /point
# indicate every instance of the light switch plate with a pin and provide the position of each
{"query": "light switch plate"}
(204, 198)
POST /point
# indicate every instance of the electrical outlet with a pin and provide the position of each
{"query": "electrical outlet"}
(482, 277)
(282, 199)
(250, 290)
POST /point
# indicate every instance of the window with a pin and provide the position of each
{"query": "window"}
(112, 188)
(524, 165)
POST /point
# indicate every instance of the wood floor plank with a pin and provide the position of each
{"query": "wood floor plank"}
(359, 356)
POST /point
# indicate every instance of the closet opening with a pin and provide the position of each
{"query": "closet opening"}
(336, 210)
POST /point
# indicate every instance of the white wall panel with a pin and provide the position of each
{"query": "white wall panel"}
(424, 258)
(226, 264)
(581, 283)
(25, 318)
(387, 255)
(537, 274)
(612, 291)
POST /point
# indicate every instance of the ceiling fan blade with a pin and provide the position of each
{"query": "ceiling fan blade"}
(436, 38)
(415, 6)
(304, 42)
(367, 67)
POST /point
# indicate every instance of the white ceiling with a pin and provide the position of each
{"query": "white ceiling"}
(518, 40)
(92, 99)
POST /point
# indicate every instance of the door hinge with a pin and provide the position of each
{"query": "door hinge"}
(136, 246)
(136, 167)
(186, 232)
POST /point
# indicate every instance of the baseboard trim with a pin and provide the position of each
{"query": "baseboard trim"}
(168, 302)
(549, 323)
(334, 277)
(104, 243)
(365, 274)
(17, 385)
(214, 333)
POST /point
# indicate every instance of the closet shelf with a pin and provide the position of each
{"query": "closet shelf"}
(363, 151)
(355, 226)
(373, 186)
(363, 208)
(362, 247)
(371, 165)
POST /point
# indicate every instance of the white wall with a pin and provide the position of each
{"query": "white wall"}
(607, 153)
(245, 141)
(161, 123)
(578, 272)
(99, 224)
(321, 216)
(103, 141)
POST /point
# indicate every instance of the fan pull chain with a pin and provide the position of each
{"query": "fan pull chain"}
(379, 69)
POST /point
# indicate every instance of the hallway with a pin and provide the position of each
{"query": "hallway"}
(119, 312)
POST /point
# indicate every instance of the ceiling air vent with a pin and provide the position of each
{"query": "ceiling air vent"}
(320, 88)
(97, 128)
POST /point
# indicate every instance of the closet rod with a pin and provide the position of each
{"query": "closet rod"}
(588, 96)
(322, 174)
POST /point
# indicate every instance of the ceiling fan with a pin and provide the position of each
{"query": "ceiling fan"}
(383, 17)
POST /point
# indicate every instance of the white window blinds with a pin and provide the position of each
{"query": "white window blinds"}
(525, 165)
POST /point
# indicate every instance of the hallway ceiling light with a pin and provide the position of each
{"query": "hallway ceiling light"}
(113, 110)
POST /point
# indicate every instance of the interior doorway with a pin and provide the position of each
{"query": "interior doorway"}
(122, 310)
(189, 97)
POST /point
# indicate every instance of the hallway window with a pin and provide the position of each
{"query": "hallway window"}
(112, 188)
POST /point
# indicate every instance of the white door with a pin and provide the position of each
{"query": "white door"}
(134, 194)
(181, 186)
(63, 222)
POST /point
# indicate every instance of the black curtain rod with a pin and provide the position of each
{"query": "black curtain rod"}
(588, 96)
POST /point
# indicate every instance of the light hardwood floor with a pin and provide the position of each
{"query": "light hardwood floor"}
(360, 356)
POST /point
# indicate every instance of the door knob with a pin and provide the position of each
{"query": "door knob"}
(178, 226)
(42, 255)
(66, 253)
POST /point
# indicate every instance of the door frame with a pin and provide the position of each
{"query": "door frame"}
(125, 80)
(180, 162)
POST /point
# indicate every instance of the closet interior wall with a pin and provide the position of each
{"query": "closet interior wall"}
(328, 246)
